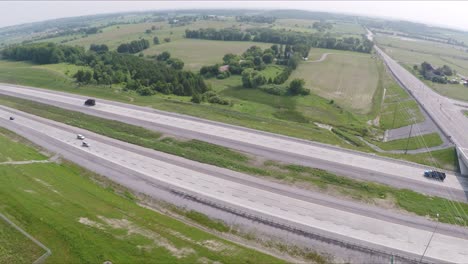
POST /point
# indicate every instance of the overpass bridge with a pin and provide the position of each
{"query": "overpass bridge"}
(445, 112)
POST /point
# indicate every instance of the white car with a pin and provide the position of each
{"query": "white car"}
(79, 136)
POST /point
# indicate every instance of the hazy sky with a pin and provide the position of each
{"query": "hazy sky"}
(449, 13)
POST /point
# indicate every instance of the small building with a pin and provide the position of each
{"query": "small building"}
(223, 68)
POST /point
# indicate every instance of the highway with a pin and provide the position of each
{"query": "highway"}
(343, 220)
(447, 113)
(272, 146)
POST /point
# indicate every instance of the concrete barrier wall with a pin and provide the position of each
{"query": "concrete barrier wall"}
(462, 161)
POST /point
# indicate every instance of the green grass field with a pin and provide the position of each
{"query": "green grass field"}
(428, 140)
(199, 52)
(13, 149)
(398, 108)
(446, 158)
(15, 248)
(348, 78)
(82, 222)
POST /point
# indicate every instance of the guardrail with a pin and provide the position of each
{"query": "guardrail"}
(42, 258)
(299, 231)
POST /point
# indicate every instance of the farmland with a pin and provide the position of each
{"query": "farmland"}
(197, 52)
(348, 78)
(62, 206)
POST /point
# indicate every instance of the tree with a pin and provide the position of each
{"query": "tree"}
(163, 56)
(153, 27)
(148, 31)
(167, 39)
(252, 78)
(230, 58)
(99, 48)
(296, 87)
(177, 64)
(267, 58)
(275, 49)
(155, 40)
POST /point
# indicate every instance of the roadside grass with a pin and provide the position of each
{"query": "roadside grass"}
(12, 148)
(370, 192)
(399, 109)
(66, 208)
(15, 248)
(465, 113)
(299, 109)
(348, 78)
(444, 158)
(216, 155)
(82, 222)
(417, 142)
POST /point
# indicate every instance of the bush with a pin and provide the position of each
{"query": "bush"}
(296, 87)
(196, 98)
(218, 100)
(273, 89)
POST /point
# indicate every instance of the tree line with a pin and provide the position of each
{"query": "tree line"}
(438, 75)
(283, 37)
(133, 47)
(108, 67)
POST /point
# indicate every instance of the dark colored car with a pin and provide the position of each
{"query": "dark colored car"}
(90, 102)
(12, 118)
(434, 175)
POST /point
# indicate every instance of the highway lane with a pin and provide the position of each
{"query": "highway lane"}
(257, 197)
(345, 162)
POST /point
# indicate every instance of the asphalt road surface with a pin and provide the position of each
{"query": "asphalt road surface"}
(272, 146)
(343, 220)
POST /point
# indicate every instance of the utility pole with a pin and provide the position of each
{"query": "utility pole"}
(394, 115)
(409, 136)
(428, 243)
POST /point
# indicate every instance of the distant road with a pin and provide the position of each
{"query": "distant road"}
(272, 146)
(341, 220)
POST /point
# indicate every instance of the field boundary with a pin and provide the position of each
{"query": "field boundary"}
(42, 258)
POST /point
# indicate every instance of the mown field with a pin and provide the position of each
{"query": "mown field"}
(82, 222)
(198, 52)
(348, 78)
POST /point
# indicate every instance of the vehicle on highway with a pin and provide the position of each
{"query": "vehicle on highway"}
(85, 144)
(90, 102)
(434, 175)
(79, 136)
(12, 118)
